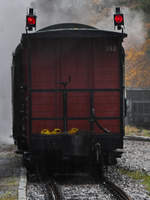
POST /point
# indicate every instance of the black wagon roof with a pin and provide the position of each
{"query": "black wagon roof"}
(67, 26)
(73, 30)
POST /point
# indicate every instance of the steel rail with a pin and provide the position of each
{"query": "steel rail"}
(53, 190)
(115, 190)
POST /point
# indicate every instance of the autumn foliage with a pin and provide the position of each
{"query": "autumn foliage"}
(138, 66)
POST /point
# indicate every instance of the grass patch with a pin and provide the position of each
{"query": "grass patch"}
(132, 130)
(13, 181)
(146, 132)
(140, 176)
(8, 196)
(8, 188)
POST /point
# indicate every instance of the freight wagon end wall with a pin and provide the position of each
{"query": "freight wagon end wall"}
(69, 77)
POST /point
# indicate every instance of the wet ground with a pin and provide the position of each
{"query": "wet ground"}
(10, 164)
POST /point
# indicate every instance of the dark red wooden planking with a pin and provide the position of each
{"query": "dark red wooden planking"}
(91, 64)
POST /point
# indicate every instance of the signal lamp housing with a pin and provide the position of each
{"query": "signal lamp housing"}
(30, 20)
(118, 19)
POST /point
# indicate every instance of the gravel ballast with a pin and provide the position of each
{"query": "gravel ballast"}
(84, 192)
(37, 191)
(136, 156)
(132, 187)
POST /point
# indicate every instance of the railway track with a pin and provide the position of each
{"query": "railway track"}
(116, 191)
(82, 187)
(43, 186)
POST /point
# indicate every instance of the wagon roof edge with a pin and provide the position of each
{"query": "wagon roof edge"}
(74, 30)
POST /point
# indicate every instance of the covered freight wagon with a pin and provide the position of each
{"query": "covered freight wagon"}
(68, 92)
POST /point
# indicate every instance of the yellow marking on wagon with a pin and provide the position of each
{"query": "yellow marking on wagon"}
(58, 131)
(73, 130)
(48, 132)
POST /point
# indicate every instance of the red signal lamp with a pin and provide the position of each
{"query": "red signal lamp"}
(30, 20)
(118, 19)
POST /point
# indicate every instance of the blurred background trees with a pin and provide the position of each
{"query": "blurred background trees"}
(138, 58)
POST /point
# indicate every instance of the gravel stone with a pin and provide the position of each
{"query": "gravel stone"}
(35, 191)
(136, 156)
(132, 187)
(86, 192)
